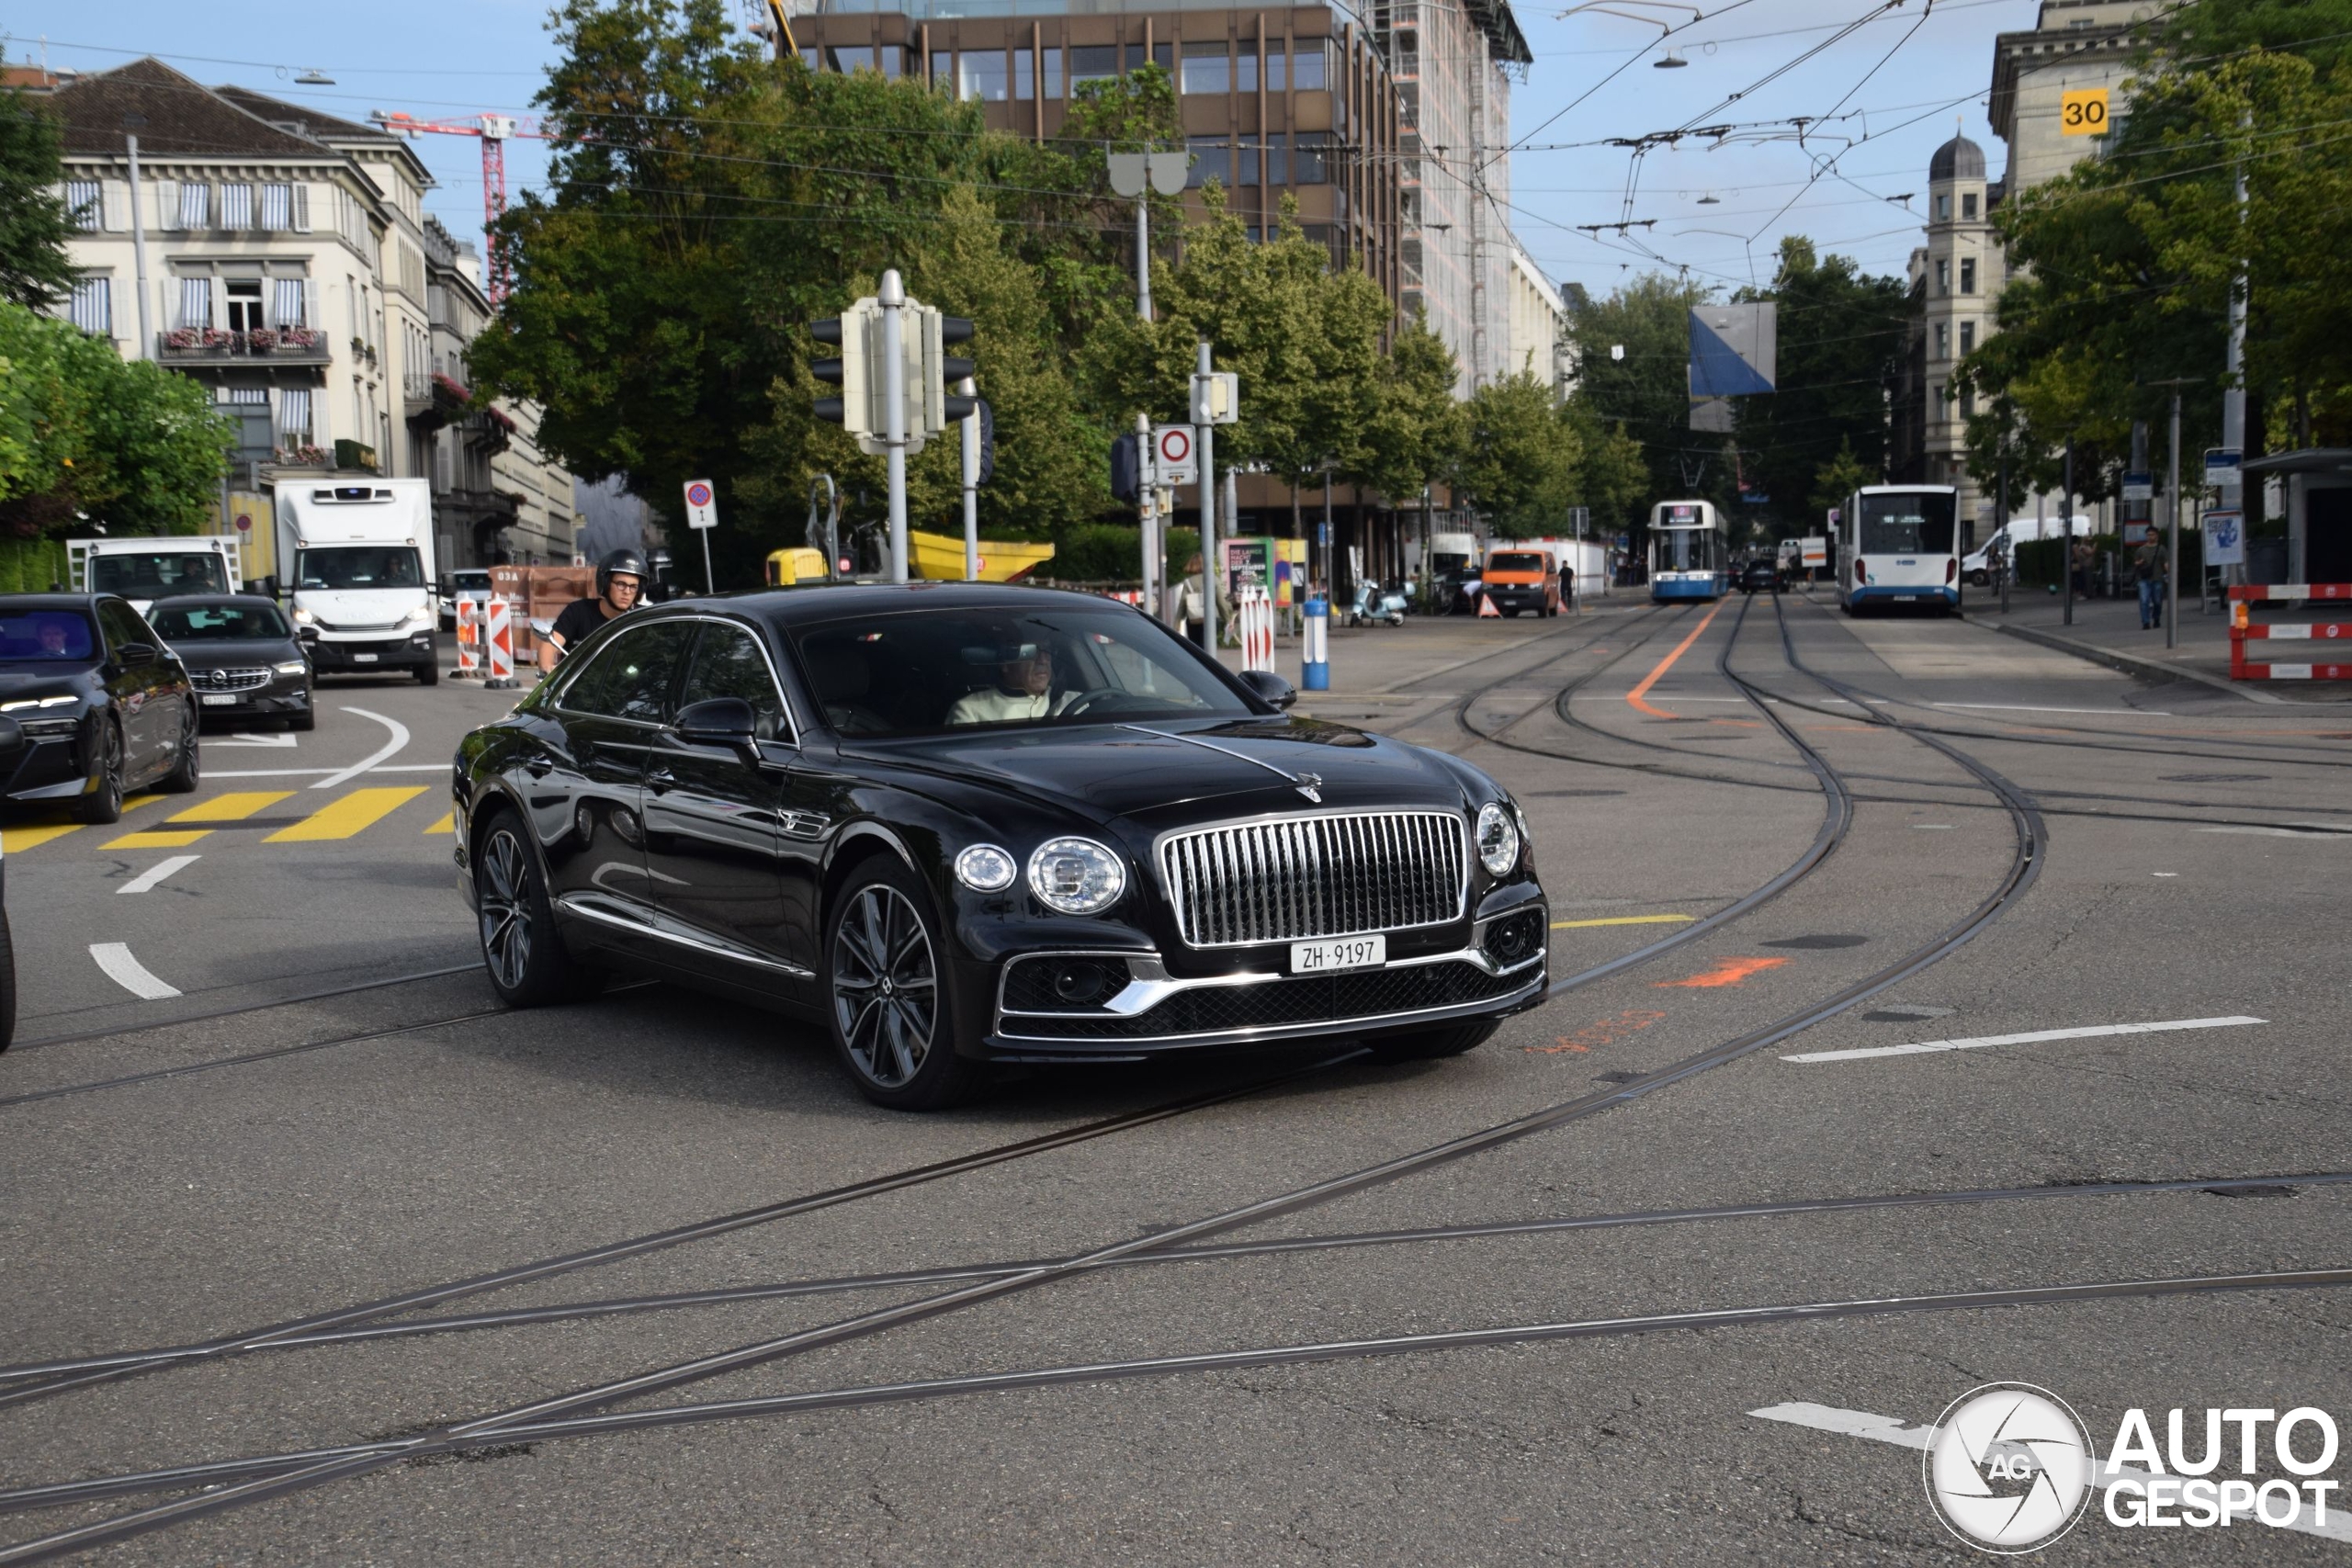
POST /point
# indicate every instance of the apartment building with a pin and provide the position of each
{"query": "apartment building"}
(272, 254)
(1538, 340)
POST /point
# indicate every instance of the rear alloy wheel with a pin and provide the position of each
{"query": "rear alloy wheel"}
(1430, 1044)
(103, 803)
(887, 997)
(188, 772)
(520, 946)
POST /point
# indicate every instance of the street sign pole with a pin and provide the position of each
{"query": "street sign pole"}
(971, 423)
(2172, 530)
(893, 297)
(1146, 493)
(2066, 535)
(1206, 438)
(701, 516)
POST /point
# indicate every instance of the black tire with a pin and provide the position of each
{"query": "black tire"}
(189, 772)
(429, 674)
(521, 950)
(1432, 1043)
(887, 995)
(309, 717)
(103, 804)
(7, 984)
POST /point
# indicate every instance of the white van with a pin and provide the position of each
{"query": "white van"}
(362, 585)
(147, 567)
(1977, 567)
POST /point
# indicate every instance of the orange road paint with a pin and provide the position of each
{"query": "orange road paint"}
(1638, 692)
(1607, 1032)
(1730, 971)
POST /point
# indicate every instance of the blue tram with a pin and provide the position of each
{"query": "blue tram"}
(1689, 552)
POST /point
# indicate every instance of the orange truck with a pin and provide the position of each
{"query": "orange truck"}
(1523, 577)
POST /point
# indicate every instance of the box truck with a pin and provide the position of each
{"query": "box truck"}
(361, 585)
(145, 569)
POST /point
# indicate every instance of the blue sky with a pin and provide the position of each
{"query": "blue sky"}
(448, 60)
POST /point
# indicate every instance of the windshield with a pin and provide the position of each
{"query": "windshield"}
(149, 574)
(1682, 549)
(41, 637)
(947, 669)
(1906, 525)
(218, 623)
(469, 581)
(1515, 563)
(361, 566)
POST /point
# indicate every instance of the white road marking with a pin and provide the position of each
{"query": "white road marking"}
(2313, 832)
(1903, 1434)
(2092, 1032)
(1934, 827)
(247, 738)
(391, 749)
(146, 880)
(114, 957)
(2024, 707)
(318, 772)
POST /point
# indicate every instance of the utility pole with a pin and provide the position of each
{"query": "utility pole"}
(971, 423)
(2172, 516)
(1206, 435)
(2067, 536)
(2001, 532)
(893, 298)
(1146, 502)
(2234, 364)
(139, 249)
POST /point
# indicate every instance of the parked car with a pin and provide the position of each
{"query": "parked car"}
(104, 707)
(242, 656)
(959, 823)
(1759, 576)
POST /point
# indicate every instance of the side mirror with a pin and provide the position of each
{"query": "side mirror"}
(1264, 684)
(718, 721)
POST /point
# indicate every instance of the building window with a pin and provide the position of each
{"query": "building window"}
(1276, 63)
(1310, 66)
(1943, 275)
(1277, 161)
(1248, 176)
(1968, 275)
(242, 299)
(277, 207)
(196, 302)
(93, 306)
(1943, 209)
(1943, 340)
(856, 57)
(983, 76)
(1312, 166)
(84, 199)
(1968, 403)
(1206, 68)
(1245, 66)
(196, 207)
(1054, 71)
(294, 417)
(1024, 76)
(288, 303)
(245, 397)
(1162, 55)
(1968, 207)
(236, 207)
(1093, 62)
(943, 68)
(1968, 337)
(1935, 400)
(1212, 160)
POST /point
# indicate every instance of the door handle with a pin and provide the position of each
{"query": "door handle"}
(538, 767)
(660, 781)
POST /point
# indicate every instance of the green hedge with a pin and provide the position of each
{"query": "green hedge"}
(1108, 552)
(29, 566)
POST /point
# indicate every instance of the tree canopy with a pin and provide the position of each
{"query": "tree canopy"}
(34, 268)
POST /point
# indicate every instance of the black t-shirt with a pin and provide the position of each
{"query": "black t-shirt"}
(579, 622)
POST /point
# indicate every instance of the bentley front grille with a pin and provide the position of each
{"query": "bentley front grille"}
(1293, 878)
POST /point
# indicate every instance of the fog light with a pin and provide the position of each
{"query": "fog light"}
(1078, 982)
(1515, 936)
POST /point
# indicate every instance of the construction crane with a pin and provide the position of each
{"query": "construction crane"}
(494, 131)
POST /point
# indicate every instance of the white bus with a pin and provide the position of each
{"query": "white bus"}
(1899, 545)
(1689, 552)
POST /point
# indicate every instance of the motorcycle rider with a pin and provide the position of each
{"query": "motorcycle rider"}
(620, 583)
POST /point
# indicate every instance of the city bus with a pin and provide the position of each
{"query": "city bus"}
(1690, 551)
(1899, 545)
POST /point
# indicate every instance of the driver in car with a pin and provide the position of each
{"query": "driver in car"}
(1023, 689)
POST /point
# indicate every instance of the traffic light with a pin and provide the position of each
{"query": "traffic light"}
(858, 332)
(931, 370)
(928, 371)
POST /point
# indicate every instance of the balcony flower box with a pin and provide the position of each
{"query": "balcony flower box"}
(218, 338)
(261, 340)
(301, 337)
(184, 337)
(303, 457)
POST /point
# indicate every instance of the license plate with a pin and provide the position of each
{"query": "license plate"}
(363, 659)
(1340, 954)
(218, 700)
(1906, 598)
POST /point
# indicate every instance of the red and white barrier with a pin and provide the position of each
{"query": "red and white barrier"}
(500, 641)
(469, 637)
(1125, 595)
(2244, 631)
(1254, 621)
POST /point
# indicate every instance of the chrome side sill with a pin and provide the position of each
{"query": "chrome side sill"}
(641, 922)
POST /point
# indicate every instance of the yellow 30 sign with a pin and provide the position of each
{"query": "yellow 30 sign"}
(2083, 113)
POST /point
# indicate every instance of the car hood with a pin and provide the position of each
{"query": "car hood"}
(1159, 770)
(360, 606)
(234, 653)
(59, 679)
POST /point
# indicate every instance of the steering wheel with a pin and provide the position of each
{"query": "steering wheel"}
(1087, 699)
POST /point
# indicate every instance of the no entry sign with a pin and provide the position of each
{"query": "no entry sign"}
(1172, 452)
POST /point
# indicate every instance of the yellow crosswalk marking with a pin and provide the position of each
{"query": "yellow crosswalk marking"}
(157, 840)
(1625, 921)
(347, 815)
(448, 824)
(231, 807)
(15, 841)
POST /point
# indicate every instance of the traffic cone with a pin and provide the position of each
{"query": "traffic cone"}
(1487, 609)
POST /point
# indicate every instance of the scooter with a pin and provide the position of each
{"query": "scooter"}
(1377, 604)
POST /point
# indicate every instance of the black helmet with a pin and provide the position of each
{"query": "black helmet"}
(626, 563)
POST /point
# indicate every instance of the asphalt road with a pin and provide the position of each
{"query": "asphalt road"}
(1992, 841)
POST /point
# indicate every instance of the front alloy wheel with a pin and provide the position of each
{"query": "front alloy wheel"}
(889, 1016)
(521, 949)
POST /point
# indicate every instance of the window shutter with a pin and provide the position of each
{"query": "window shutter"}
(309, 303)
(302, 209)
(110, 213)
(168, 204)
(196, 302)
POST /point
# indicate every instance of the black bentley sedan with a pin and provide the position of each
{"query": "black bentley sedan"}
(104, 707)
(242, 656)
(960, 823)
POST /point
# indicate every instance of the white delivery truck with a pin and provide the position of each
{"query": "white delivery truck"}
(361, 574)
(143, 569)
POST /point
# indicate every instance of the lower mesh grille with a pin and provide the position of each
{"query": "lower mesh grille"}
(1273, 1004)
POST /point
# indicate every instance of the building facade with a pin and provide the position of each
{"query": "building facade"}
(1538, 340)
(279, 257)
(1955, 278)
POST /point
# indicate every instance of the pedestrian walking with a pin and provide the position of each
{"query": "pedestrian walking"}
(2084, 556)
(1191, 610)
(2152, 569)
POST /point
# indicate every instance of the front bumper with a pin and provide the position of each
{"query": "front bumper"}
(358, 656)
(1508, 597)
(287, 694)
(1500, 971)
(51, 765)
(1898, 594)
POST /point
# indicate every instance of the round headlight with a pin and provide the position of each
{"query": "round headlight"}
(1076, 876)
(986, 867)
(1498, 839)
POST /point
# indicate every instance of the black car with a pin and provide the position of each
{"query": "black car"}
(103, 706)
(242, 656)
(1760, 577)
(964, 822)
